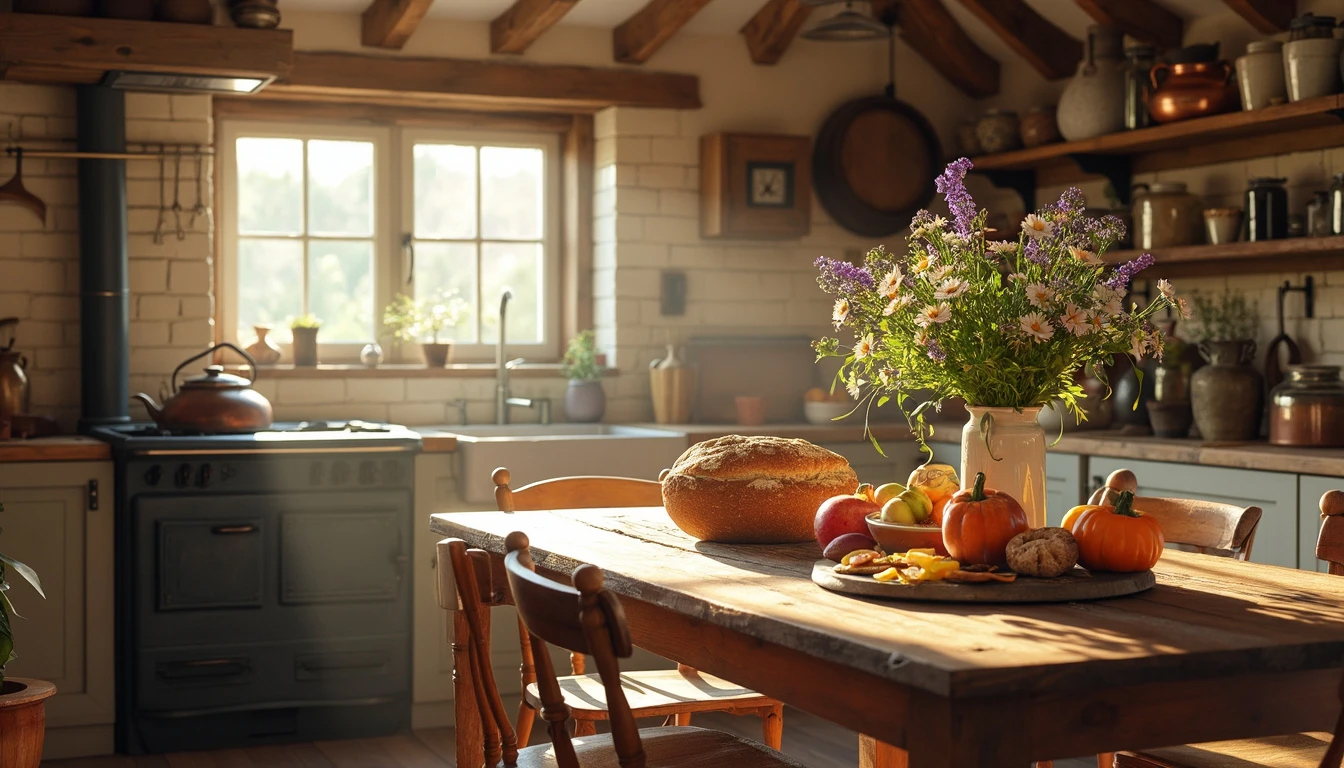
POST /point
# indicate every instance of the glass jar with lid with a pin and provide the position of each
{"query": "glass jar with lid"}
(1166, 215)
(1266, 209)
(1307, 408)
(1337, 205)
(1318, 214)
(1309, 26)
(1139, 61)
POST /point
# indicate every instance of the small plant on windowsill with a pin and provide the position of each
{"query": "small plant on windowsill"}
(410, 321)
(584, 399)
(24, 731)
(305, 328)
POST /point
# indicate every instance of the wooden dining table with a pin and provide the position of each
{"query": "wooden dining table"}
(1218, 649)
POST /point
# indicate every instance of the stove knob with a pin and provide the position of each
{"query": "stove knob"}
(315, 473)
(154, 474)
(340, 472)
(368, 473)
(226, 472)
(391, 471)
(203, 475)
(182, 478)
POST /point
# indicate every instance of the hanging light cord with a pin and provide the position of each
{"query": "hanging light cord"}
(891, 61)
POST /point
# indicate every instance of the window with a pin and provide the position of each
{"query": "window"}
(335, 221)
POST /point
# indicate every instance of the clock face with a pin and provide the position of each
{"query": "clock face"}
(770, 185)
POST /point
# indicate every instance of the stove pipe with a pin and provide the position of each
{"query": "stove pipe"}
(104, 294)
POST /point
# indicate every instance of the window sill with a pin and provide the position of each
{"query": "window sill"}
(408, 371)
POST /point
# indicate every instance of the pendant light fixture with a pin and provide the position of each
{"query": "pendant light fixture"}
(853, 23)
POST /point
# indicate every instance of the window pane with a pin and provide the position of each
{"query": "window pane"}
(270, 186)
(517, 266)
(445, 191)
(340, 288)
(511, 193)
(445, 269)
(340, 188)
(270, 280)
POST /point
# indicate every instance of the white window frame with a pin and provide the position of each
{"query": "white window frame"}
(394, 183)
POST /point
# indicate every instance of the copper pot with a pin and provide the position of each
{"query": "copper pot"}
(213, 403)
(13, 379)
(1308, 408)
(1191, 90)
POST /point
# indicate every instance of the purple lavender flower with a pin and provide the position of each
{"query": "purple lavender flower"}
(1126, 272)
(936, 352)
(1035, 253)
(1103, 230)
(952, 185)
(841, 278)
(1070, 204)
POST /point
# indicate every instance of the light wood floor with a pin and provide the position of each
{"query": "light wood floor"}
(813, 741)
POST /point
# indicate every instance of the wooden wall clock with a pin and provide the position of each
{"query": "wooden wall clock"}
(755, 186)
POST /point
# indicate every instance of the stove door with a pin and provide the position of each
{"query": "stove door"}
(341, 557)
(213, 562)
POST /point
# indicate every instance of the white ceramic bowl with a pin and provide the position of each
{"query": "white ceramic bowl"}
(822, 413)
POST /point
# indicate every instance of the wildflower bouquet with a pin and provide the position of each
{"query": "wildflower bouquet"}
(1000, 324)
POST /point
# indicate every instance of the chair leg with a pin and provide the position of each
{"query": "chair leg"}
(772, 726)
(1106, 760)
(526, 717)
(585, 727)
(682, 718)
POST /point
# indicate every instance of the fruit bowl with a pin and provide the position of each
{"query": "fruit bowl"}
(894, 537)
(825, 412)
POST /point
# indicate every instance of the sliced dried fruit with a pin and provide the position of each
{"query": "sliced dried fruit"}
(975, 577)
(860, 570)
(890, 574)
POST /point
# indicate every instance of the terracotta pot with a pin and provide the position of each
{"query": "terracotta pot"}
(1191, 90)
(436, 355)
(1093, 103)
(750, 410)
(1227, 394)
(23, 721)
(585, 401)
(1040, 126)
(305, 346)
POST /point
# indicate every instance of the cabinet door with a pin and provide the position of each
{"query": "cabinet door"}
(432, 656)
(66, 638)
(1276, 539)
(902, 456)
(1063, 484)
(1310, 488)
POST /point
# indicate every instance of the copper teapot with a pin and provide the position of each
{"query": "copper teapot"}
(213, 403)
(13, 379)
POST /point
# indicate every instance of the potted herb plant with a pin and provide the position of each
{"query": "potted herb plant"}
(585, 401)
(1005, 325)
(305, 328)
(411, 321)
(22, 701)
(1227, 394)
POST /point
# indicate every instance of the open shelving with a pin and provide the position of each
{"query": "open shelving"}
(1296, 254)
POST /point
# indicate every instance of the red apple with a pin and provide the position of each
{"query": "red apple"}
(839, 515)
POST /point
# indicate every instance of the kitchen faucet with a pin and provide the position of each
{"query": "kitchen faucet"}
(503, 400)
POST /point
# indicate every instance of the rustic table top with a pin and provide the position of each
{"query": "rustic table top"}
(1207, 617)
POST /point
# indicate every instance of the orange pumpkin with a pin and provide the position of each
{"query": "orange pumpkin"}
(978, 524)
(1118, 538)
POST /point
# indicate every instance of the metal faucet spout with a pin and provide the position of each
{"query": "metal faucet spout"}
(501, 364)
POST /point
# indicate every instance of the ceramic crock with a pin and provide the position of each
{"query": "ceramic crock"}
(1227, 394)
(1166, 215)
(1311, 67)
(1260, 75)
(1009, 447)
(1093, 103)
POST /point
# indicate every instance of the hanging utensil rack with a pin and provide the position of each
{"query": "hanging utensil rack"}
(179, 150)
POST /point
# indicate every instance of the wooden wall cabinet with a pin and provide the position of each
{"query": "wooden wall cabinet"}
(66, 639)
(755, 186)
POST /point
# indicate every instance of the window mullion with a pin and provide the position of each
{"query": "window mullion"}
(304, 219)
(480, 266)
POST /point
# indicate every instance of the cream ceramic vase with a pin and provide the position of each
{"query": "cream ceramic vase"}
(1010, 450)
(1093, 103)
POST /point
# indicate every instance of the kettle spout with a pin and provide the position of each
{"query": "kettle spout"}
(155, 411)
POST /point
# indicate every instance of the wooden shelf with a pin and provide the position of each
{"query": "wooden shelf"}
(66, 49)
(1301, 126)
(1295, 254)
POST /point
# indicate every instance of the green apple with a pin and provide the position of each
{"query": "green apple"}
(885, 493)
(899, 512)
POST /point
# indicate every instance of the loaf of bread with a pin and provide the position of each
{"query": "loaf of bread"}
(753, 490)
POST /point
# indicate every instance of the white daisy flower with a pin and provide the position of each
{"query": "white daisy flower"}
(1109, 299)
(936, 276)
(1017, 277)
(897, 304)
(1098, 322)
(1139, 345)
(1035, 226)
(1002, 246)
(951, 289)
(1039, 295)
(854, 387)
(884, 376)
(1075, 320)
(1087, 257)
(891, 284)
(932, 314)
(1167, 290)
(1036, 326)
(924, 263)
(864, 347)
(840, 313)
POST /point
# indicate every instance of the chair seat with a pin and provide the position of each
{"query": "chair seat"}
(1299, 750)
(655, 693)
(669, 747)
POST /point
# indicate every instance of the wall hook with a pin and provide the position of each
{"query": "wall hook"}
(1308, 291)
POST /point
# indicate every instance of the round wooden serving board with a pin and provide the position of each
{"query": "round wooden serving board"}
(1075, 585)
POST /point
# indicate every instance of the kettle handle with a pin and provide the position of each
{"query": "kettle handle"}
(251, 364)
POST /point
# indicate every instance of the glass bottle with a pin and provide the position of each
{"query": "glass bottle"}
(1337, 205)
(1266, 209)
(1139, 61)
(1318, 214)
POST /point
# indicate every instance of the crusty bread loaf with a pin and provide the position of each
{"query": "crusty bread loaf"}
(753, 490)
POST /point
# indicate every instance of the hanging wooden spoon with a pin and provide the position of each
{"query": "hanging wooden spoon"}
(13, 191)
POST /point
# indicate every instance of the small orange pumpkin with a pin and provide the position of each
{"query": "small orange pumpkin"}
(978, 524)
(1118, 538)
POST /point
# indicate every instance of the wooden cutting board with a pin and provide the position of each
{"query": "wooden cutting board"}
(1076, 585)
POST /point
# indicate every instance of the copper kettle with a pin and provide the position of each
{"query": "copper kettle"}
(13, 380)
(213, 403)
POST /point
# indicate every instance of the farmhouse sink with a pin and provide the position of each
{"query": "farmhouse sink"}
(535, 452)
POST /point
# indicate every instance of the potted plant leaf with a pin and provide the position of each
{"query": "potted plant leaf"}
(22, 701)
(305, 328)
(585, 401)
(409, 320)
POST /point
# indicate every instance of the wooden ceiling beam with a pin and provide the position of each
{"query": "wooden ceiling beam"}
(774, 26)
(641, 35)
(928, 28)
(1047, 48)
(518, 27)
(1142, 19)
(1267, 16)
(390, 23)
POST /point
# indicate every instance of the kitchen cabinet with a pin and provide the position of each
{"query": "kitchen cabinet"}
(1310, 488)
(1276, 540)
(54, 522)
(872, 467)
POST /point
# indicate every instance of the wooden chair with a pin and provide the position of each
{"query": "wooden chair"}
(1299, 750)
(1206, 527)
(673, 694)
(584, 619)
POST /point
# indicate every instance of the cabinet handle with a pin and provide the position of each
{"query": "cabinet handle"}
(224, 529)
(93, 496)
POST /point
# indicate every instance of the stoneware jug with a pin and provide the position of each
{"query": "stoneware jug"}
(1093, 104)
(1227, 394)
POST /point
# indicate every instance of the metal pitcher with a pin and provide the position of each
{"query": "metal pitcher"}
(13, 379)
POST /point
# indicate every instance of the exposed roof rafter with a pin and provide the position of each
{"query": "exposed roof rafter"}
(1267, 16)
(641, 35)
(1047, 48)
(773, 28)
(1141, 19)
(390, 23)
(525, 21)
(928, 28)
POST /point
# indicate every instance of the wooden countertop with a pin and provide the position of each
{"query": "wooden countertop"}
(436, 441)
(817, 433)
(63, 448)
